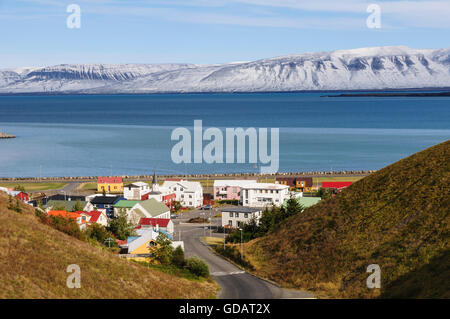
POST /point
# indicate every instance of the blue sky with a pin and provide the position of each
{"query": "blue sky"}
(34, 32)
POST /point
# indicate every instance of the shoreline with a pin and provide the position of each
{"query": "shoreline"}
(192, 176)
(4, 135)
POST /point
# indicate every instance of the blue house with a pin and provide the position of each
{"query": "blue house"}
(106, 202)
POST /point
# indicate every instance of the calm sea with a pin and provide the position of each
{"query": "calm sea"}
(130, 134)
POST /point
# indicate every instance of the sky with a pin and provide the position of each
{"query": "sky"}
(35, 32)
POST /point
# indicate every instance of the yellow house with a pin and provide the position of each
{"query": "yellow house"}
(110, 184)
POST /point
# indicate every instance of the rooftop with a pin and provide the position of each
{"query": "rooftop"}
(240, 209)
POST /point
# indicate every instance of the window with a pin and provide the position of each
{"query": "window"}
(246, 215)
(236, 215)
(230, 222)
(234, 189)
(231, 214)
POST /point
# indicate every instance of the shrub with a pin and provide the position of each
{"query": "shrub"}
(178, 257)
(197, 267)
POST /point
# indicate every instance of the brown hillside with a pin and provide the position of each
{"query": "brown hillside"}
(34, 259)
(397, 218)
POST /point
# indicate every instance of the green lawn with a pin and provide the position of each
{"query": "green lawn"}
(35, 186)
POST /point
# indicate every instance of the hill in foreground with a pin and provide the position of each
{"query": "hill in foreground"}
(34, 258)
(397, 218)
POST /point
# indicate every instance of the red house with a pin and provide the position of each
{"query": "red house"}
(23, 196)
(336, 185)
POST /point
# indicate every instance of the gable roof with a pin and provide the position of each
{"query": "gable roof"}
(109, 180)
(95, 214)
(137, 184)
(188, 186)
(69, 205)
(265, 186)
(144, 237)
(153, 207)
(126, 203)
(161, 222)
(104, 200)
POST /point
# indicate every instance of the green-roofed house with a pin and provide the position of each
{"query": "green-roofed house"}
(136, 210)
(67, 205)
(305, 201)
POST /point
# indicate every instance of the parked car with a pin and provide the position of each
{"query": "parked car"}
(206, 207)
(173, 216)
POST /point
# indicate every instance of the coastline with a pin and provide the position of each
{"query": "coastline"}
(4, 135)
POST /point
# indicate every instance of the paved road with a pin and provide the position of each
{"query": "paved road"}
(235, 283)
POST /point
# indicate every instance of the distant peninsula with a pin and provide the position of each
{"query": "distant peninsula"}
(3, 135)
(392, 94)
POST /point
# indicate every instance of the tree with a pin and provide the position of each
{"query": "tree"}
(163, 249)
(19, 188)
(97, 232)
(78, 206)
(178, 257)
(292, 207)
(324, 193)
(197, 266)
(176, 206)
(120, 226)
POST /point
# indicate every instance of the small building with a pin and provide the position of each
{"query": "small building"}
(67, 205)
(24, 197)
(106, 202)
(234, 217)
(164, 224)
(135, 191)
(110, 184)
(336, 185)
(64, 197)
(136, 210)
(230, 189)
(302, 184)
(125, 206)
(95, 216)
(189, 194)
(264, 194)
(79, 218)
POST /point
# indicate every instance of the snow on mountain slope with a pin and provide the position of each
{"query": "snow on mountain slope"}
(366, 68)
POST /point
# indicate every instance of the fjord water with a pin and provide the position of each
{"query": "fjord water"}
(90, 135)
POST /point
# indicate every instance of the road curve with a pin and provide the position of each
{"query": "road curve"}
(235, 283)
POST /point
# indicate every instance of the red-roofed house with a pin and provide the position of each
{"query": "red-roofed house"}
(336, 185)
(79, 218)
(110, 184)
(164, 224)
(96, 216)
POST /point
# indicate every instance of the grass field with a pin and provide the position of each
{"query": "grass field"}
(29, 187)
(213, 240)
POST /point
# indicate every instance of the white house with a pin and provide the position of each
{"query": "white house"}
(163, 224)
(135, 191)
(264, 194)
(236, 216)
(230, 189)
(136, 210)
(189, 194)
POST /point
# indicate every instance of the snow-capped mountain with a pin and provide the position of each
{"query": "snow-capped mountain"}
(366, 68)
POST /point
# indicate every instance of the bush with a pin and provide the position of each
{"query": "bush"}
(197, 267)
(234, 254)
(178, 257)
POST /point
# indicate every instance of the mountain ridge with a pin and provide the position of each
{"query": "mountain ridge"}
(373, 68)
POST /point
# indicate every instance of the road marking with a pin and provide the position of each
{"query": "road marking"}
(221, 273)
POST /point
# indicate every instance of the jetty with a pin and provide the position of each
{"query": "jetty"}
(3, 135)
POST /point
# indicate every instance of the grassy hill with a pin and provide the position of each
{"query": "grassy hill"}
(397, 218)
(34, 259)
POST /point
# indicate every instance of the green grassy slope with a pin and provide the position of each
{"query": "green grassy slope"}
(397, 218)
(34, 259)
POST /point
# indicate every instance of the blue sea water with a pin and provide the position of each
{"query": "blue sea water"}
(85, 135)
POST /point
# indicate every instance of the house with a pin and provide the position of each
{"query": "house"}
(105, 202)
(302, 184)
(189, 194)
(79, 218)
(160, 193)
(164, 224)
(336, 185)
(138, 247)
(305, 201)
(67, 205)
(234, 217)
(135, 191)
(230, 189)
(19, 195)
(45, 200)
(264, 194)
(136, 210)
(95, 216)
(110, 184)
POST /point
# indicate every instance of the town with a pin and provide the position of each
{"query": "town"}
(151, 209)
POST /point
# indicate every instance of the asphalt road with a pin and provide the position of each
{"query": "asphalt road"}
(235, 283)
